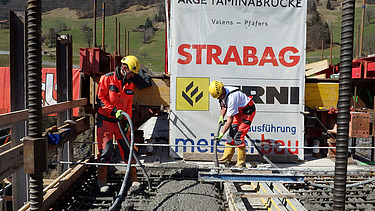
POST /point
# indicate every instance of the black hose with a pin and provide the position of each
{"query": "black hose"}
(119, 196)
(136, 157)
(131, 154)
(261, 153)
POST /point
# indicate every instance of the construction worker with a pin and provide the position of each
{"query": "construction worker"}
(114, 96)
(240, 112)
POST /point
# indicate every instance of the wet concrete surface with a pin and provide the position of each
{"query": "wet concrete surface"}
(174, 189)
(186, 195)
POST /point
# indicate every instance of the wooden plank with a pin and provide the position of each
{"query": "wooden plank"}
(156, 95)
(16, 116)
(283, 158)
(264, 195)
(316, 67)
(7, 198)
(62, 184)
(318, 76)
(272, 203)
(55, 193)
(11, 161)
(58, 107)
(290, 204)
(252, 187)
(81, 125)
(5, 147)
(235, 203)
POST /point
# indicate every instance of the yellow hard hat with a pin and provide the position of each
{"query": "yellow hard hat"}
(132, 63)
(216, 88)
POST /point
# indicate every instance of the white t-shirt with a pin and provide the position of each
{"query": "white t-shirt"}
(235, 100)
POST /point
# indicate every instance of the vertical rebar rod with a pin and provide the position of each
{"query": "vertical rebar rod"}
(115, 36)
(94, 20)
(128, 43)
(119, 38)
(358, 37)
(343, 115)
(125, 43)
(330, 49)
(103, 27)
(322, 52)
(34, 67)
(362, 28)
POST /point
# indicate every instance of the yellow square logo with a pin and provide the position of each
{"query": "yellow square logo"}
(192, 94)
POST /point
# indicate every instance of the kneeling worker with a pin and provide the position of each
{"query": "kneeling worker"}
(240, 111)
(114, 95)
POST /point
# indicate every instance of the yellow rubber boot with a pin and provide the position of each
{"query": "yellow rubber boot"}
(228, 154)
(241, 157)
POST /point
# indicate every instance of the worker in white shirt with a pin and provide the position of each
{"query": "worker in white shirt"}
(240, 111)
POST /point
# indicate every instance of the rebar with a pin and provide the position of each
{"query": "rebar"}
(325, 172)
(34, 68)
(222, 146)
(343, 115)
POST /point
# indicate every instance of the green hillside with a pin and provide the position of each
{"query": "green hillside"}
(152, 54)
(333, 18)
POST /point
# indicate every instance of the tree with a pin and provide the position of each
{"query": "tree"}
(148, 23)
(50, 38)
(61, 26)
(369, 44)
(148, 34)
(4, 1)
(317, 29)
(369, 14)
(148, 31)
(328, 5)
(160, 17)
(86, 33)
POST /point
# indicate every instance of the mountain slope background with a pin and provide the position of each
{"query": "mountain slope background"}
(84, 7)
(74, 17)
(133, 19)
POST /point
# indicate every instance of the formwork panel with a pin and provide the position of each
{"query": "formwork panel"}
(359, 125)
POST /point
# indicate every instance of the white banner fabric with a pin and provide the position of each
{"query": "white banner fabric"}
(257, 45)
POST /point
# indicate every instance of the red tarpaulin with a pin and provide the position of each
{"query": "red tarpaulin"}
(49, 88)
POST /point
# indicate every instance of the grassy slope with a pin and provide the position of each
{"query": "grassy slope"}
(333, 18)
(154, 50)
(152, 54)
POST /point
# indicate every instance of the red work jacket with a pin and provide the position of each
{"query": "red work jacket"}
(114, 94)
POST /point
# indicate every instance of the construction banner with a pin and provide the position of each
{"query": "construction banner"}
(258, 46)
(49, 88)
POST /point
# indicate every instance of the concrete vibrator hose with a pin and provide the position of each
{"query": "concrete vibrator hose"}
(131, 154)
(215, 144)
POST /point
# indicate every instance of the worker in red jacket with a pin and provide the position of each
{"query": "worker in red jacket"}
(240, 112)
(114, 96)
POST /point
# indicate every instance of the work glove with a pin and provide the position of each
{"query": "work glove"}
(221, 120)
(218, 138)
(127, 125)
(119, 116)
